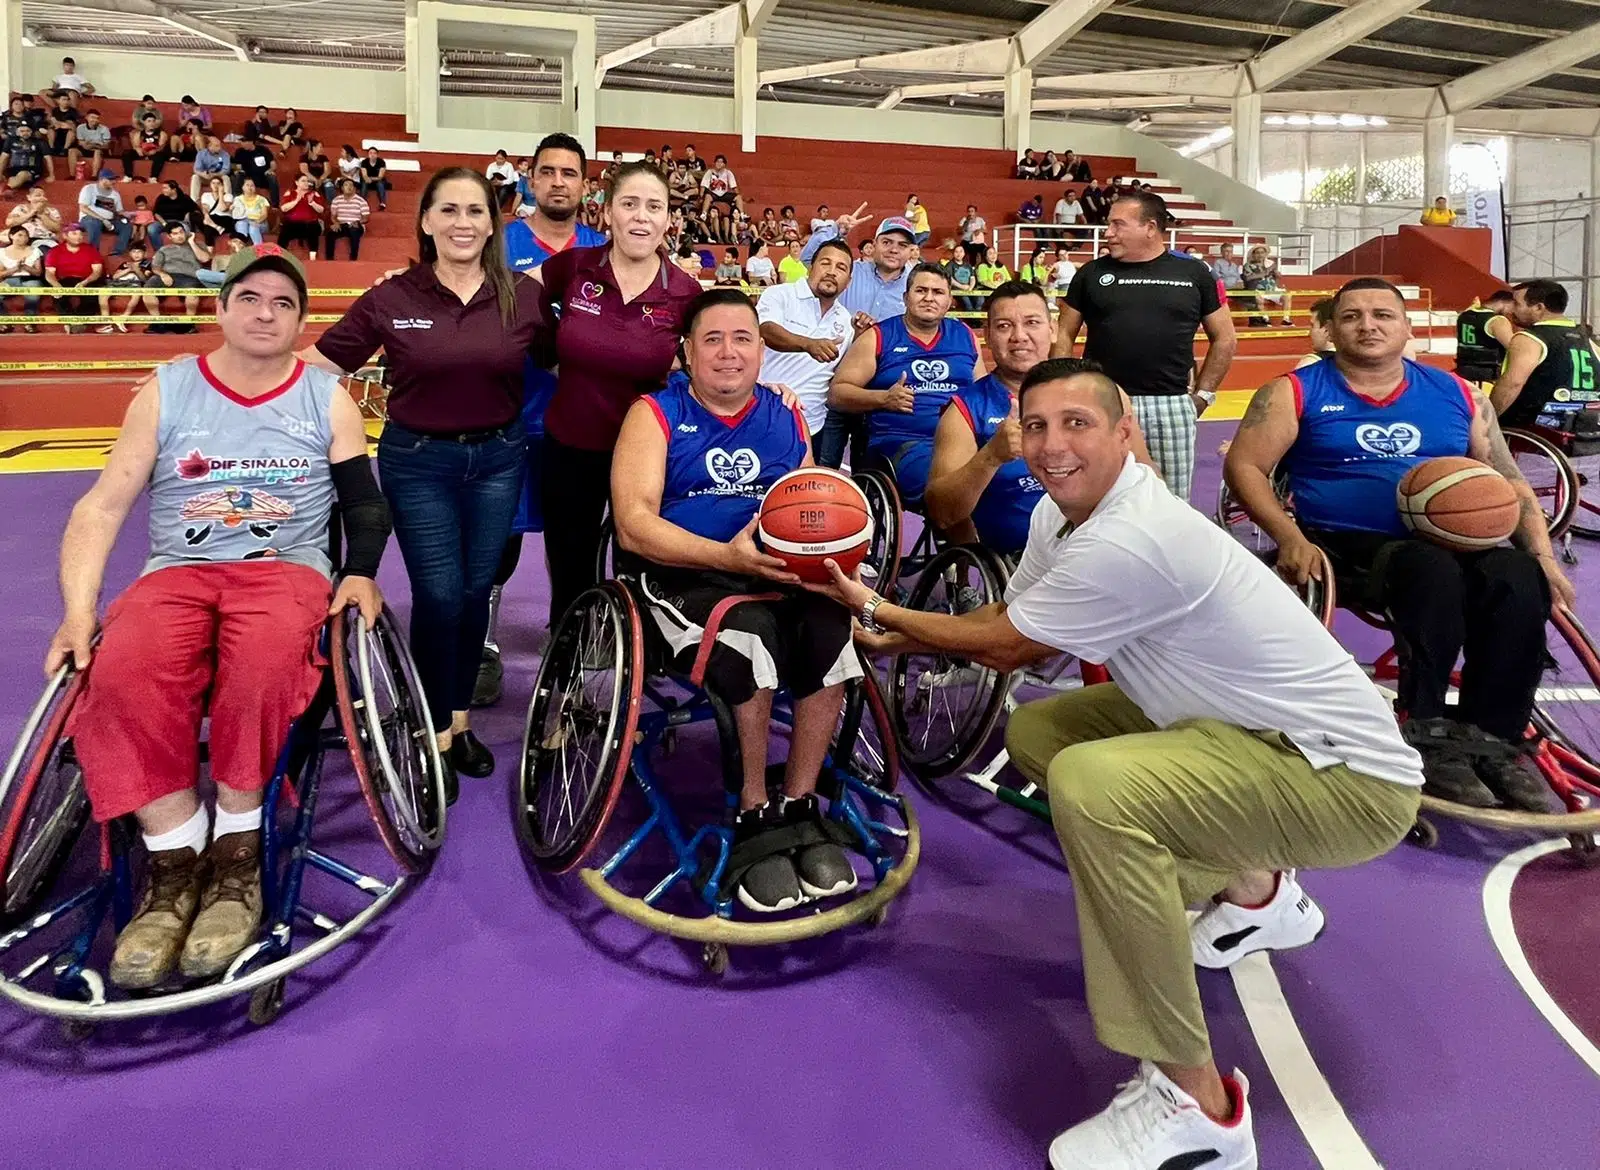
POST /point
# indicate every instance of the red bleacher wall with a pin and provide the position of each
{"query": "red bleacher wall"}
(1453, 262)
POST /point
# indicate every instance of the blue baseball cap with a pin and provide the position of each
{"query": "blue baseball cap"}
(897, 223)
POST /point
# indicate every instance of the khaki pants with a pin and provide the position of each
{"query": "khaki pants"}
(1153, 821)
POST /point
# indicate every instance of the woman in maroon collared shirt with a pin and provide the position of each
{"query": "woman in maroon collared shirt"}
(457, 329)
(619, 308)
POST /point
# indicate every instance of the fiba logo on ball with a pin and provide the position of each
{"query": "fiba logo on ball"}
(1108, 278)
(1391, 441)
(735, 470)
(926, 370)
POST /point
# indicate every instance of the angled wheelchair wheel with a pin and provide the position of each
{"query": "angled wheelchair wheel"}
(577, 743)
(1554, 482)
(865, 744)
(883, 505)
(43, 804)
(384, 717)
(1586, 517)
(1320, 594)
(944, 707)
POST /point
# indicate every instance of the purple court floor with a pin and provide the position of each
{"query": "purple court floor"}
(493, 1020)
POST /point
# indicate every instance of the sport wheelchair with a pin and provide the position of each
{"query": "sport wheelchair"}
(54, 945)
(604, 702)
(1563, 736)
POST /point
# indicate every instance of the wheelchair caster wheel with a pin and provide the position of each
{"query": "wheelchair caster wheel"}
(714, 957)
(1423, 834)
(1585, 848)
(266, 1002)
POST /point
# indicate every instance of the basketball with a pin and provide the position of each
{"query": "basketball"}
(1459, 503)
(812, 515)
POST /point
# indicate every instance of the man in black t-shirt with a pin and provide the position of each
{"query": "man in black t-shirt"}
(24, 159)
(255, 162)
(375, 177)
(1142, 305)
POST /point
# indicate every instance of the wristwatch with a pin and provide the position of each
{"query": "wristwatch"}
(1206, 396)
(869, 620)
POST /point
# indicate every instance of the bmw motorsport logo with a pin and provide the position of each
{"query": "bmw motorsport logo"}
(1108, 278)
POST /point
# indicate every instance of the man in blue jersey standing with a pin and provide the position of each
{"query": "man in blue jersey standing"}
(691, 467)
(1344, 432)
(556, 180)
(902, 373)
(877, 292)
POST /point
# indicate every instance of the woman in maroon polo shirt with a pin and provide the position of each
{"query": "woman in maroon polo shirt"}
(620, 307)
(457, 329)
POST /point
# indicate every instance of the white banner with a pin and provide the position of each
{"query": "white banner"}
(1486, 210)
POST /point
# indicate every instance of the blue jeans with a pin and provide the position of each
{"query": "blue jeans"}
(381, 186)
(210, 277)
(94, 228)
(452, 504)
(30, 305)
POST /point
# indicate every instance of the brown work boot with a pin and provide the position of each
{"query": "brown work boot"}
(230, 907)
(148, 946)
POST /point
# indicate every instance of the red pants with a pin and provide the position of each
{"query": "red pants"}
(244, 632)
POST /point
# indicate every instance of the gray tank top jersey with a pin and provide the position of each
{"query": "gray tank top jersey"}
(237, 480)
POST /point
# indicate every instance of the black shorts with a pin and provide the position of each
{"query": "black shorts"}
(800, 641)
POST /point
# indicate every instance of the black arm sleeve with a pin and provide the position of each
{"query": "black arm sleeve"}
(365, 514)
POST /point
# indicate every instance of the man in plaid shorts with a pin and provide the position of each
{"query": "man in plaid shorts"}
(1142, 305)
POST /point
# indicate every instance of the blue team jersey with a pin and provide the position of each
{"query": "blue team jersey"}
(718, 469)
(933, 372)
(1351, 453)
(1006, 506)
(525, 251)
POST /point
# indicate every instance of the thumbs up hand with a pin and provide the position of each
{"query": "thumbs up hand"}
(900, 397)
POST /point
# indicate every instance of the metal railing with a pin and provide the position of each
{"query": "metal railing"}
(1295, 252)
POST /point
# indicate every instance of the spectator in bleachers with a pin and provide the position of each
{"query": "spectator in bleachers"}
(683, 185)
(650, 157)
(1027, 166)
(759, 268)
(42, 221)
(349, 164)
(1261, 277)
(791, 268)
(973, 226)
(918, 215)
(73, 264)
(172, 206)
(688, 259)
(1075, 169)
(375, 177)
(218, 214)
(1320, 333)
(1050, 167)
(821, 218)
(69, 82)
(1039, 268)
(23, 111)
(1095, 203)
(176, 264)
(318, 167)
(722, 199)
(612, 168)
(93, 143)
(992, 271)
(591, 208)
(1440, 214)
(1227, 269)
(21, 266)
(769, 229)
(131, 273)
(788, 225)
(251, 212)
(526, 204)
(692, 160)
(868, 250)
(149, 145)
(1067, 212)
(24, 159)
(61, 137)
(503, 175)
(216, 270)
(1062, 271)
(261, 128)
(190, 110)
(185, 144)
(255, 162)
(100, 211)
(729, 271)
(147, 108)
(1032, 210)
(210, 162)
(963, 275)
(347, 219)
(301, 221)
(142, 219)
(291, 132)
(666, 161)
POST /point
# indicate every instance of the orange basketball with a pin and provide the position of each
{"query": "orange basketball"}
(812, 515)
(1459, 503)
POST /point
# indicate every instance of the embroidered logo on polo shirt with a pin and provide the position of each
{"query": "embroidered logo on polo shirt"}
(588, 296)
(412, 323)
(591, 289)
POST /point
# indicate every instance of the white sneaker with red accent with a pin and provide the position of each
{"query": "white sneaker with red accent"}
(1151, 1124)
(1225, 933)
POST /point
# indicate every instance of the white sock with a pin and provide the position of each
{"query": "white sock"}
(192, 834)
(245, 822)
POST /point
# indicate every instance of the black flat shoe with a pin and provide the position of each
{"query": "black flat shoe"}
(469, 755)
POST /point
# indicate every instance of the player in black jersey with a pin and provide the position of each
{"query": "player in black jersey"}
(1479, 353)
(1551, 368)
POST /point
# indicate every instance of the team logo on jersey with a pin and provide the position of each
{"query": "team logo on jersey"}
(234, 506)
(930, 370)
(1400, 438)
(1331, 408)
(587, 299)
(1108, 278)
(196, 465)
(732, 470)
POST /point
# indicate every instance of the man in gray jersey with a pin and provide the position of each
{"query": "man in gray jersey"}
(245, 450)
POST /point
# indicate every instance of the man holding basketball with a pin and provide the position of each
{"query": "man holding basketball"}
(1238, 742)
(1343, 433)
(691, 467)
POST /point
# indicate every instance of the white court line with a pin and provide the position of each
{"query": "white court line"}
(1326, 1126)
(1497, 910)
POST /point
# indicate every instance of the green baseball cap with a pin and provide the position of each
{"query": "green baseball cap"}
(267, 256)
